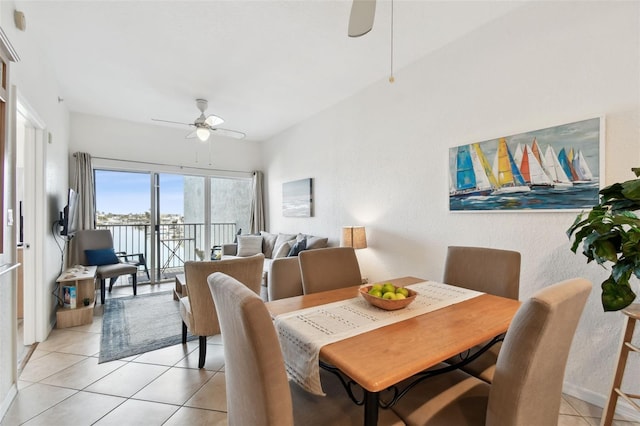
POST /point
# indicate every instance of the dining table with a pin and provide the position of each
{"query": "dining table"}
(382, 357)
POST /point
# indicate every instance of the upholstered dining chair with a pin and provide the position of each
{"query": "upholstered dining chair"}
(95, 247)
(197, 309)
(258, 392)
(329, 269)
(488, 270)
(527, 385)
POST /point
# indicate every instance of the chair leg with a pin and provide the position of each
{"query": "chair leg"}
(102, 290)
(112, 281)
(184, 333)
(203, 350)
(135, 284)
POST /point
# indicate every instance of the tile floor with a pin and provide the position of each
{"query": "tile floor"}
(63, 384)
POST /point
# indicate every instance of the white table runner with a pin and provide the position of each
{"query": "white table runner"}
(302, 333)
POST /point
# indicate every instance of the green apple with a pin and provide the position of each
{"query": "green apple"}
(388, 287)
(390, 295)
(400, 296)
(403, 291)
(376, 287)
(375, 292)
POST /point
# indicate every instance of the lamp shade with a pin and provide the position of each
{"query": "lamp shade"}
(354, 236)
(202, 133)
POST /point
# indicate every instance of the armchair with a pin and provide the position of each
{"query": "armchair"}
(95, 247)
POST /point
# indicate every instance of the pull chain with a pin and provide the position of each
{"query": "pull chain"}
(391, 78)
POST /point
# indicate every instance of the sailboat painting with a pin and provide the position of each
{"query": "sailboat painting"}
(551, 169)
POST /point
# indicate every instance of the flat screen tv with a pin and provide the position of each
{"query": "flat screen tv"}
(69, 220)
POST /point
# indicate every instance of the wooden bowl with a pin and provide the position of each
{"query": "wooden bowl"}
(386, 304)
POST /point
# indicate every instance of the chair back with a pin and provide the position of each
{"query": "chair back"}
(488, 270)
(90, 239)
(329, 269)
(258, 391)
(247, 270)
(527, 384)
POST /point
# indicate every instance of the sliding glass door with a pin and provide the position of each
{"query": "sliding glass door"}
(171, 218)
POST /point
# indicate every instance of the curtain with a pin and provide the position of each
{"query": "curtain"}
(257, 222)
(85, 187)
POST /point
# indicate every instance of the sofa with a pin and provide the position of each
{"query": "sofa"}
(281, 271)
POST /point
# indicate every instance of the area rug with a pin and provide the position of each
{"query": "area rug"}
(137, 324)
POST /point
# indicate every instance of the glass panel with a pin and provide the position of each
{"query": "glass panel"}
(123, 206)
(230, 208)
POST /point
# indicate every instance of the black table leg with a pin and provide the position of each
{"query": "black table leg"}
(370, 408)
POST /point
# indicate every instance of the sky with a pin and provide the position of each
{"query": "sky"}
(127, 192)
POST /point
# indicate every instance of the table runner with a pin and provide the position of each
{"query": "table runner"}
(302, 333)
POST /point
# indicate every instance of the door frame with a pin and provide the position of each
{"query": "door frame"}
(35, 325)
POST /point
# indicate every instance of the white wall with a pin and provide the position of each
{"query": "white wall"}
(124, 140)
(38, 87)
(380, 158)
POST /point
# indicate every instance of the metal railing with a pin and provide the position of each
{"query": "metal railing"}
(177, 243)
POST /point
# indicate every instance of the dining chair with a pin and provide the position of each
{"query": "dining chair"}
(527, 385)
(328, 269)
(95, 247)
(258, 391)
(488, 270)
(197, 309)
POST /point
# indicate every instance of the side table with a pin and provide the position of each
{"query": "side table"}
(83, 278)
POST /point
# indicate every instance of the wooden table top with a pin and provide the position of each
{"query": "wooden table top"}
(383, 357)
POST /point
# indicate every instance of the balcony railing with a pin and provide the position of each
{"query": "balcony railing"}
(177, 243)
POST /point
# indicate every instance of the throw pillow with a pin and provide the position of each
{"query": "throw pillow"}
(282, 250)
(314, 242)
(235, 240)
(100, 257)
(248, 245)
(268, 243)
(282, 238)
(297, 247)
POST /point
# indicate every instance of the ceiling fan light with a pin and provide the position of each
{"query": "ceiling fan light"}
(202, 133)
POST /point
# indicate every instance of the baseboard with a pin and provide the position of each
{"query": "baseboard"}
(13, 391)
(623, 408)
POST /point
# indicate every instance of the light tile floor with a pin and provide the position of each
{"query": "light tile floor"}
(63, 384)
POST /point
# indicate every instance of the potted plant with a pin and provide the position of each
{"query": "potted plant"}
(611, 233)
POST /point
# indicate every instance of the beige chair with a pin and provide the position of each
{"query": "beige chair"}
(490, 271)
(329, 269)
(102, 240)
(527, 386)
(198, 310)
(258, 393)
(284, 278)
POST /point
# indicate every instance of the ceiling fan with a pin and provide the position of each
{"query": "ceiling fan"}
(205, 126)
(361, 19)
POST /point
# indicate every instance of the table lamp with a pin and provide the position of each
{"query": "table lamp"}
(354, 236)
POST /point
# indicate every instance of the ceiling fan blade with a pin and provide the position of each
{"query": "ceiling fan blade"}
(226, 132)
(191, 135)
(174, 122)
(361, 19)
(213, 120)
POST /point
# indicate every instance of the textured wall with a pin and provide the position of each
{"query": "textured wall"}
(380, 158)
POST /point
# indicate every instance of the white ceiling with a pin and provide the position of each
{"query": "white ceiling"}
(262, 65)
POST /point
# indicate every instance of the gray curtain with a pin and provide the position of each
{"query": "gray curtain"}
(257, 222)
(85, 187)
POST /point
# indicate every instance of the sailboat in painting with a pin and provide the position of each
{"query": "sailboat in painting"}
(509, 178)
(567, 166)
(473, 173)
(582, 168)
(555, 169)
(531, 169)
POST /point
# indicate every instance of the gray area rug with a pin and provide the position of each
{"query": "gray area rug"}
(137, 324)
